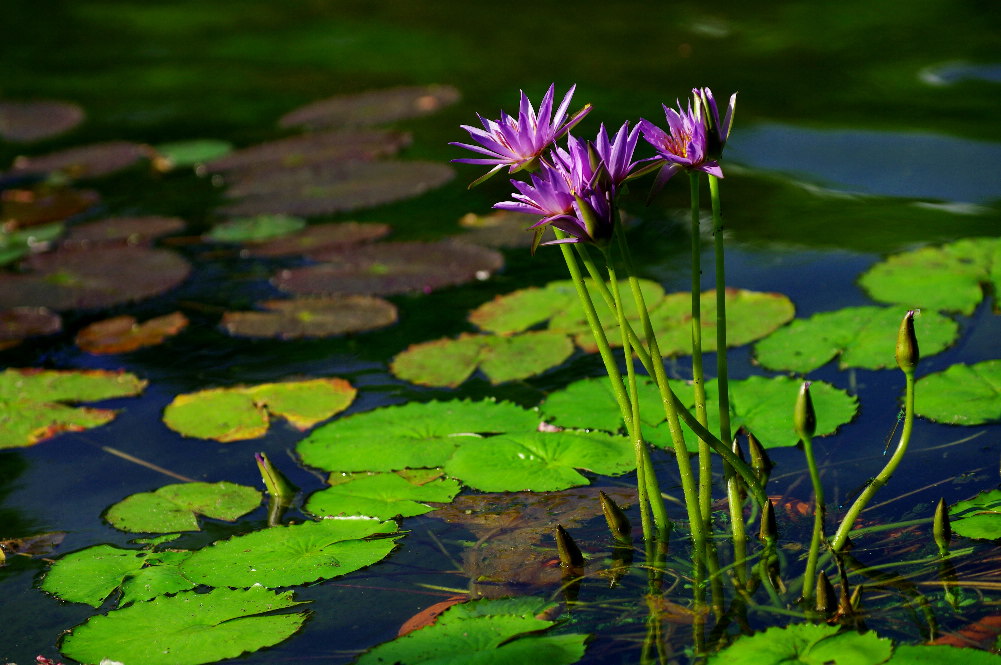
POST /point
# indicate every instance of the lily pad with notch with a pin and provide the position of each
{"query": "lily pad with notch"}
(176, 507)
(372, 107)
(122, 334)
(312, 317)
(979, 517)
(961, 394)
(808, 644)
(382, 495)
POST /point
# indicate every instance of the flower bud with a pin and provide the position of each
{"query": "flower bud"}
(760, 461)
(804, 417)
(618, 523)
(570, 556)
(826, 599)
(941, 530)
(768, 530)
(279, 487)
(907, 344)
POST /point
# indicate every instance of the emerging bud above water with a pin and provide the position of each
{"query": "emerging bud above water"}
(617, 521)
(570, 556)
(768, 529)
(826, 598)
(278, 485)
(941, 530)
(804, 418)
(907, 344)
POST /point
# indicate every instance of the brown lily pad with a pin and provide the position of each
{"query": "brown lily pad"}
(312, 317)
(312, 149)
(24, 122)
(93, 278)
(391, 268)
(39, 544)
(322, 238)
(333, 188)
(122, 334)
(498, 229)
(89, 161)
(20, 323)
(30, 207)
(372, 108)
(128, 230)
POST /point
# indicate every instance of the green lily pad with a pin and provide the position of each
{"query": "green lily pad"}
(805, 643)
(373, 107)
(122, 334)
(186, 629)
(941, 654)
(537, 461)
(182, 154)
(310, 317)
(16, 244)
(961, 395)
(233, 414)
(449, 362)
(859, 336)
(483, 632)
(32, 408)
(27, 121)
(382, 495)
(415, 435)
(297, 554)
(947, 278)
(92, 574)
(255, 229)
(764, 406)
(979, 517)
(176, 507)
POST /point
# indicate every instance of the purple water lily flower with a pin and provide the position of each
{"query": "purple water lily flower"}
(684, 148)
(518, 143)
(716, 132)
(617, 154)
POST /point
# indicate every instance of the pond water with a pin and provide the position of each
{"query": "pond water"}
(861, 131)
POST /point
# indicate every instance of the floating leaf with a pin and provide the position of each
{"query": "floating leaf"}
(31, 402)
(947, 278)
(860, 336)
(122, 334)
(961, 395)
(498, 229)
(340, 187)
(311, 149)
(483, 632)
(128, 230)
(979, 517)
(45, 203)
(93, 278)
(371, 108)
(932, 654)
(322, 238)
(232, 414)
(805, 643)
(392, 268)
(39, 544)
(255, 229)
(15, 244)
(181, 154)
(297, 554)
(90, 161)
(312, 317)
(382, 495)
(176, 507)
(24, 122)
(20, 323)
(449, 362)
(186, 629)
(415, 435)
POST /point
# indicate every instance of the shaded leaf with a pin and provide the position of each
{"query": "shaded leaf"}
(89, 161)
(39, 544)
(24, 122)
(498, 229)
(15, 244)
(45, 203)
(20, 323)
(961, 395)
(371, 108)
(128, 230)
(312, 317)
(805, 643)
(309, 150)
(122, 334)
(321, 238)
(979, 517)
(255, 229)
(177, 507)
(382, 495)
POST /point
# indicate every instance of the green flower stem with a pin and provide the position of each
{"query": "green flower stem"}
(698, 376)
(725, 433)
(810, 576)
(841, 537)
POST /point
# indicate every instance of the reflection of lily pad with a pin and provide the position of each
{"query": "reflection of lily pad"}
(961, 395)
(255, 229)
(333, 188)
(415, 435)
(186, 629)
(90, 161)
(24, 122)
(93, 278)
(130, 230)
(449, 362)
(320, 238)
(979, 517)
(808, 644)
(371, 108)
(176, 507)
(15, 244)
(391, 268)
(122, 334)
(312, 317)
(32, 402)
(382, 495)
(20, 323)
(232, 414)
(947, 278)
(311, 149)
(860, 336)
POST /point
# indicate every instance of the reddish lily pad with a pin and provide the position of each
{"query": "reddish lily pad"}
(312, 317)
(322, 238)
(90, 161)
(310, 150)
(28, 207)
(498, 229)
(93, 278)
(128, 230)
(33, 402)
(233, 414)
(329, 189)
(372, 108)
(24, 122)
(20, 323)
(391, 268)
(122, 334)
(449, 362)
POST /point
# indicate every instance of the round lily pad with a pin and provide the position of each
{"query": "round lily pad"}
(24, 122)
(255, 229)
(941, 654)
(93, 278)
(176, 507)
(321, 238)
(186, 629)
(122, 334)
(20, 323)
(340, 187)
(16, 244)
(979, 517)
(311, 149)
(809, 644)
(382, 495)
(90, 161)
(312, 317)
(961, 395)
(371, 108)
(129, 230)
(181, 154)
(91, 575)
(498, 229)
(392, 268)
(44, 203)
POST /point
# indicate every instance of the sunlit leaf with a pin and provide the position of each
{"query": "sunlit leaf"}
(89, 161)
(382, 495)
(24, 122)
(946, 278)
(372, 107)
(297, 554)
(933, 654)
(255, 229)
(979, 517)
(31, 401)
(122, 334)
(449, 362)
(809, 644)
(311, 317)
(20, 323)
(414, 435)
(92, 574)
(176, 507)
(163, 576)
(186, 629)
(961, 395)
(232, 414)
